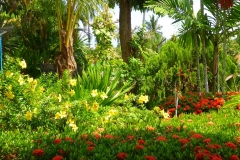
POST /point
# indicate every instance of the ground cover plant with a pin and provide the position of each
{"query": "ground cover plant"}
(41, 119)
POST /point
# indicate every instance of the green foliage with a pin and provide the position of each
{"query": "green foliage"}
(102, 79)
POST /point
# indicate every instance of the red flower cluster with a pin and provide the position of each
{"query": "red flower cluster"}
(150, 158)
(139, 147)
(231, 145)
(38, 152)
(141, 142)
(197, 136)
(109, 136)
(161, 138)
(226, 4)
(58, 158)
(234, 157)
(57, 141)
(122, 155)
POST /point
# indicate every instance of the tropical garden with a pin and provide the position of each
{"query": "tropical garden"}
(61, 98)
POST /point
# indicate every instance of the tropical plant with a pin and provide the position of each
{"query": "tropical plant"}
(102, 79)
(68, 15)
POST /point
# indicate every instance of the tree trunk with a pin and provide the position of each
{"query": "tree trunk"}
(203, 38)
(65, 59)
(125, 29)
(215, 68)
(197, 55)
(224, 54)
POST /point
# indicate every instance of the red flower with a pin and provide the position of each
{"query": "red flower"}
(90, 148)
(234, 157)
(231, 145)
(141, 142)
(175, 136)
(213, 146)
(57, 158)
(208, 140)
(109, 136)
(68, 139)
(38, 152)
(183, 141)
(197, 136)
(130, 137)
(150, 157)
(122, 155)
(90, 144)
(197, 149)
(57, 141)
(214, 157)
(97, 136)
(139, 147)
(161, 138)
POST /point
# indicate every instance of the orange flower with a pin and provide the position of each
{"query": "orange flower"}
(38, 152)
(150, 128)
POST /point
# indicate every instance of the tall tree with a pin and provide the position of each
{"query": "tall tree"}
(68, 15)
(182, 10)
(125, 7)
(203, 41)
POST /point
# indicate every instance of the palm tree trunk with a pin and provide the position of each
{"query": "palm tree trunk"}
(65, 59)
(224, 53)
(203, 38)
(197, 59)
(125, 29)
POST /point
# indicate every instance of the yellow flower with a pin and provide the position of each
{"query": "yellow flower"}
(73, 82)
(143, 99)
(72, 92)
(60, 114)
(126, 97)
(34, 82)
(59, 98)
(20, 80)
(10, 95)
(165, 115)
(28, 116)
(8, 73)
(57, 115)
(113, 112)
(30, 80)
(23, 64)
(103, 95)
(106, 119)
(41, 89)
(35, 111)
(9, 87)
(94, 93)
(71, 122)
(95, 106)
(74, 127)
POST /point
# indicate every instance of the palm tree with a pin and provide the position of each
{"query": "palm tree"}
(68, 15)
(152, 25)
(182, 10)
